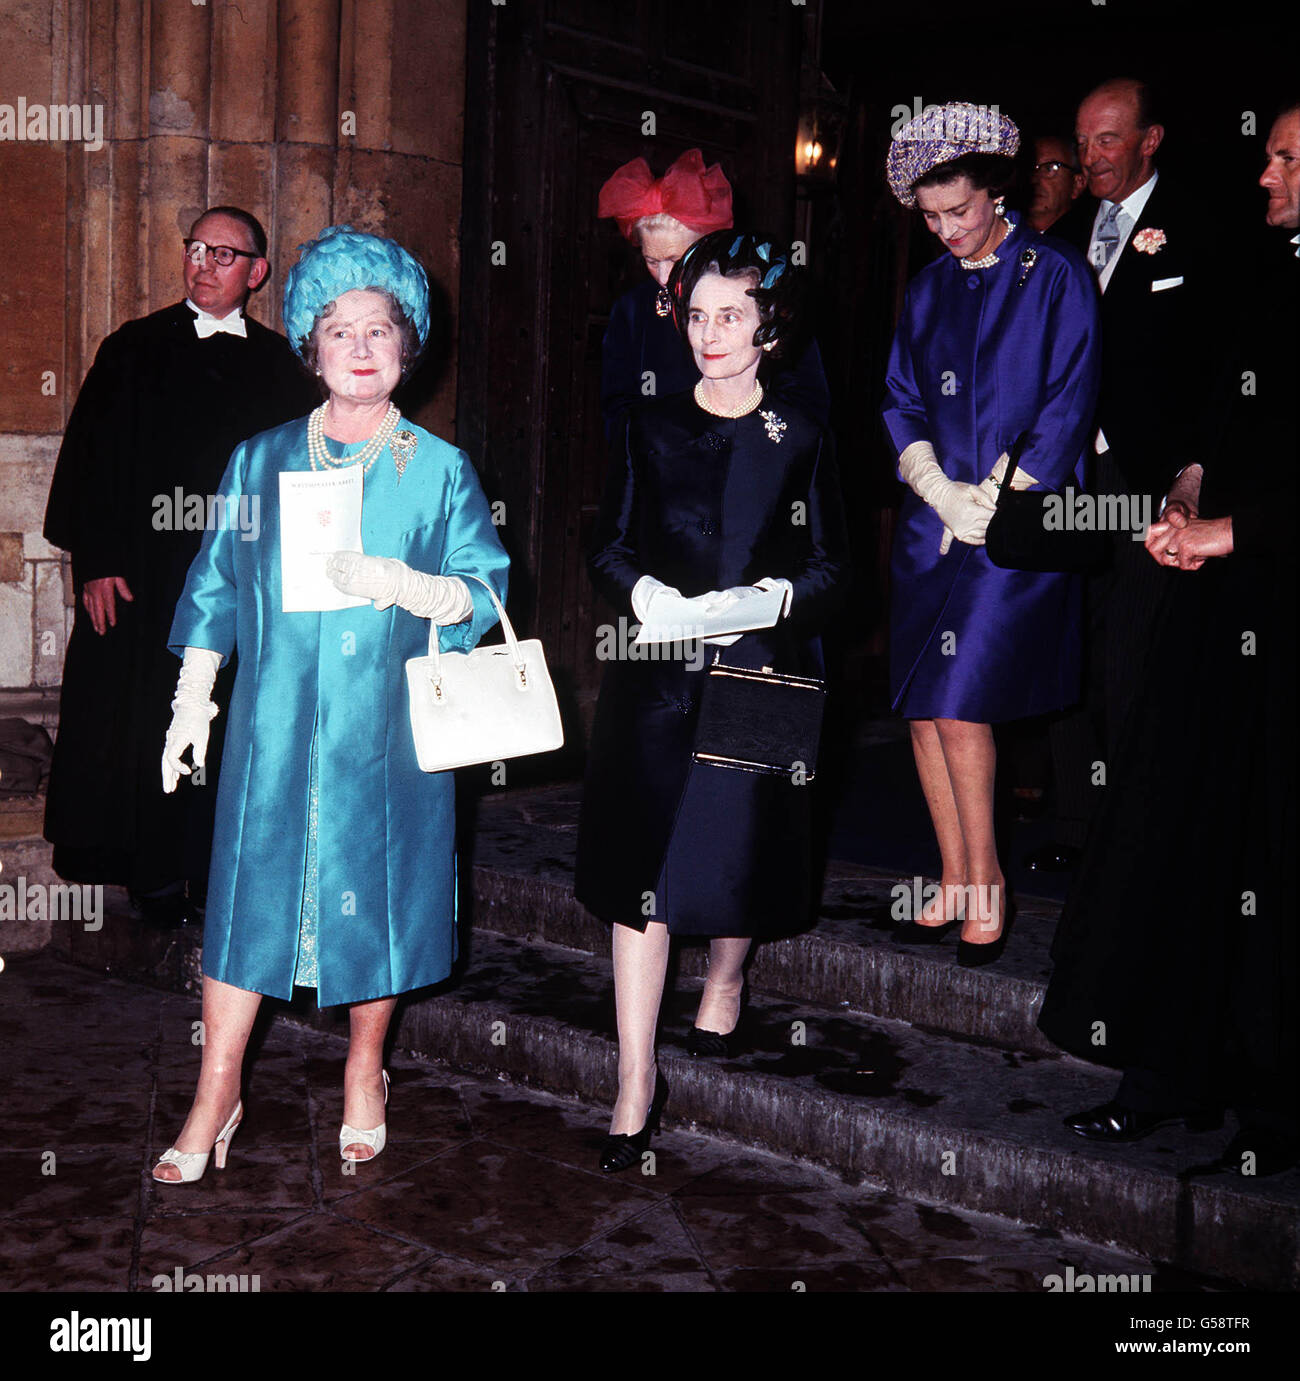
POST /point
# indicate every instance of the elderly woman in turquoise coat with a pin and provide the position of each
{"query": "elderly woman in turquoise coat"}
(333, 861)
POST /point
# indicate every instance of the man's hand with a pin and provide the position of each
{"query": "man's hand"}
(1181, 543)
(100, 599)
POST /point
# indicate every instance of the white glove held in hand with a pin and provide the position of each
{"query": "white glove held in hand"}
(992, 484)
(964, 508)
(770, 583)
(192, 714)
(644, 592)
(387, 581)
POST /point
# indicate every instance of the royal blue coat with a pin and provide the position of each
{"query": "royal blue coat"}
(980, 356)
(387, 870)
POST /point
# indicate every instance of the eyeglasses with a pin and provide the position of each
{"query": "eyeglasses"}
(225, 255)
(1054, 167)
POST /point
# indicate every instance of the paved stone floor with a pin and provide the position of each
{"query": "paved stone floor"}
(484, 1185)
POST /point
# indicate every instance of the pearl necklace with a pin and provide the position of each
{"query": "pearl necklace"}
(988, 260)
(750, 403)
(322, 460)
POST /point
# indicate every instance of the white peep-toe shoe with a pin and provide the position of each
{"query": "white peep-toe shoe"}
(350, 1136)
(192, 1164)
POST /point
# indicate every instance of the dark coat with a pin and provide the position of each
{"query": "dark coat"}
(705, 503)
(1157, 345)
(638, 341)
(158, 409)
(1179, 934)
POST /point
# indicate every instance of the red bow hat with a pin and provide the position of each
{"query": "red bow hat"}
(697, 196)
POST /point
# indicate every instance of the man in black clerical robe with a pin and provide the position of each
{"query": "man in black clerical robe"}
(167, 399)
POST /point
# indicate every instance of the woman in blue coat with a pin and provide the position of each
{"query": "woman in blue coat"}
(711, 493)
(332, 861)
(997, 338)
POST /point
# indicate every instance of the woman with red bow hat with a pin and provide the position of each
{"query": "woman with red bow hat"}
(642, 356)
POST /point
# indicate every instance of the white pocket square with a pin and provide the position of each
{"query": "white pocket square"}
(1161, 284)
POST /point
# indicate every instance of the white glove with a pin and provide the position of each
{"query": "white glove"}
(723, 600)
(965, 509)
(769, 583)
(387, 581)
(192, 714)
(644, 592)
(992, 484)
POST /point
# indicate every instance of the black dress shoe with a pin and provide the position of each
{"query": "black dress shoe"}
(913, 933)
(1052, 858)
(1270, 1153)
(1114, 1122)
(971, 956)
(713, 1044)
(622, 1149)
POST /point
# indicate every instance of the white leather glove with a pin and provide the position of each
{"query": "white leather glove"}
(388, 581)
(192, 714)
(991, 485)
(964, 508)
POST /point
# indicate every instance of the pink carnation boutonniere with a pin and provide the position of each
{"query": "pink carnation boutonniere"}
(1149, 241)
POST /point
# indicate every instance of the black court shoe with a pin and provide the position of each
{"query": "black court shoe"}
(720, 1044)
(973, 956)
(622, 1149)
(713, 1044)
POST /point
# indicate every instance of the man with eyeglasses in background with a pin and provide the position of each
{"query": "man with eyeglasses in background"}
(1057, 183)
(166, 401)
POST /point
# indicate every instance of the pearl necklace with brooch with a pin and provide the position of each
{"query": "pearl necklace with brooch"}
(322, 460)
(988, 260)
(750, 403)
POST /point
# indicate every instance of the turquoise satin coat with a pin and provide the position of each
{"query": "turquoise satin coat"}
(387, 869)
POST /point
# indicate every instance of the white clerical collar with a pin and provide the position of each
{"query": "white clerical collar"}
(1295, 240)
(1133, 204)
(205, 324)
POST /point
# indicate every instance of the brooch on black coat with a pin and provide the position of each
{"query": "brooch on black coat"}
(774, 426)
(1028, 258)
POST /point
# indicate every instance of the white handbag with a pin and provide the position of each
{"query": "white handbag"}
(484, 705)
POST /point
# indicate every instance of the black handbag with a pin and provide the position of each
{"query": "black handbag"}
(760, 721)
(1019, 537)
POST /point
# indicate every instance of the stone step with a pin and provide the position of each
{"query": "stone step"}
(927, 1115)
(523, 853)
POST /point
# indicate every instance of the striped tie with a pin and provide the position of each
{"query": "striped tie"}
(1107, 239)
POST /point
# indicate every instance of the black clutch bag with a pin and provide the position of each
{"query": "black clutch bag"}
(1025, 533)
(760, 721)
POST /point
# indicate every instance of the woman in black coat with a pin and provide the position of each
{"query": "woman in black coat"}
(710, 495)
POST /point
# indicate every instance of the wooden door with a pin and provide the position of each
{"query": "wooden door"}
(559, 94)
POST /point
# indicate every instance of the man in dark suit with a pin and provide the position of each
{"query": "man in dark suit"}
(1157, 340)
(1175, 958)
(162, 407)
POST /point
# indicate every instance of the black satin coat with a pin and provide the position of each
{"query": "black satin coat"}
(705, 503)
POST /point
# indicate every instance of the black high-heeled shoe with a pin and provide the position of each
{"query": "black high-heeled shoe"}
(622, 1149)
(973, 956)
(715, 1044)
